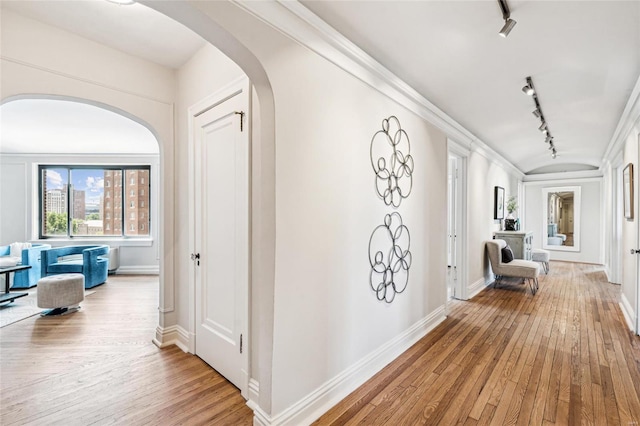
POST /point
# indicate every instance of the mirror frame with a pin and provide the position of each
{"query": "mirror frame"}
(577, 207)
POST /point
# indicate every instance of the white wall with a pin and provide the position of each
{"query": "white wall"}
(327, 321)
(591, 218)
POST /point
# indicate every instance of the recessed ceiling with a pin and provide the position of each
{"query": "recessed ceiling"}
(583, 56)
(134, 29)
(45, 126)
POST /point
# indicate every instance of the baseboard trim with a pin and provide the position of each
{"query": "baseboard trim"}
(627, 312)
(260, 418)
(477, 286)
(173, 335)
(138, 270)
(331, 392)
(254, 391)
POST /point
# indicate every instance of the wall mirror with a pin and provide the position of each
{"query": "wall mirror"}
(561, 218)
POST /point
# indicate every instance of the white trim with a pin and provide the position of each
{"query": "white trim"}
(627, 311)
(316, 403)
(629, 117)
(253, 392)
(476, 287)
(562, 181)
(119, 159)
(173, 335)
(564, 176)
(260, 418)
(297, 22)
(138, 270)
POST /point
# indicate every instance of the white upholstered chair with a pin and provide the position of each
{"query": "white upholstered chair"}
(519, 268)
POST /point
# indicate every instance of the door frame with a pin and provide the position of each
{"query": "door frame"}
(462, 251)
(239, 86)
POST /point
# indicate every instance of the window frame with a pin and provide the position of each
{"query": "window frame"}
(115, 187)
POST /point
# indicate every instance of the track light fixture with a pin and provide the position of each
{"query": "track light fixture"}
(528, 89)
(506, 15)
(544, 126)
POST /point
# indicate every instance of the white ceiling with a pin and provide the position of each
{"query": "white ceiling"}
(134, 29)
(45, 126)
(584, 57)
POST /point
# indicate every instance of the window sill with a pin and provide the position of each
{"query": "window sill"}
(113, 242)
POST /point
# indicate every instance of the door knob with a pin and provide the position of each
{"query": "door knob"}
(633, 251)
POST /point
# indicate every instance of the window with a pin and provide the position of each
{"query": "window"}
(132, 193)
(75, 201)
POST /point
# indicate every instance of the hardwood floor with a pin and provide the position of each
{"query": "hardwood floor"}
(563, 356)
(98, 366)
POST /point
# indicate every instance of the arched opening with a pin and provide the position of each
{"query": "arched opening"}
(137, 96)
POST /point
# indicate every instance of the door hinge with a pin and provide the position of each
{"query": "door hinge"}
(196, 257)
(241, 113)
(241, 343)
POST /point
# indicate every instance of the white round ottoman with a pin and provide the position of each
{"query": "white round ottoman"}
(61, 294)
(542, 256)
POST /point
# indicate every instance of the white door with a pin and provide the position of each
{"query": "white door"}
(456, 229)
(221, 261)
(451, 229)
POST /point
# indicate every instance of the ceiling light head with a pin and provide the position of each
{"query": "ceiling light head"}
(543, 127)
(529, 90)
(553, 153)
(549, 139)
(537, 113)
(507, 27)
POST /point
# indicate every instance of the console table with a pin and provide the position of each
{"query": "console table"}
(521, 242)
(8, 296)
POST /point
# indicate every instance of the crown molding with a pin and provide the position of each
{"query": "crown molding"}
(630, 117)
(564, 177)
(297, 22)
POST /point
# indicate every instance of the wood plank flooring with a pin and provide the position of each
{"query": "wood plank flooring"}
(98, 366)
(563, 356)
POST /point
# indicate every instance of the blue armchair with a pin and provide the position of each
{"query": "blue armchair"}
(30, 256)
(64, 260)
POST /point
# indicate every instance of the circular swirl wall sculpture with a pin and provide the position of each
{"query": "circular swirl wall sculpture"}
(390, 153)
(389, 257)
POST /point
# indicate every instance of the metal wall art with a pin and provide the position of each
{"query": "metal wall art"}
(390, 153)
(390, 258)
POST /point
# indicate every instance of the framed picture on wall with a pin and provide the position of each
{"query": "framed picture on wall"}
(627, 188)
(498, 203)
